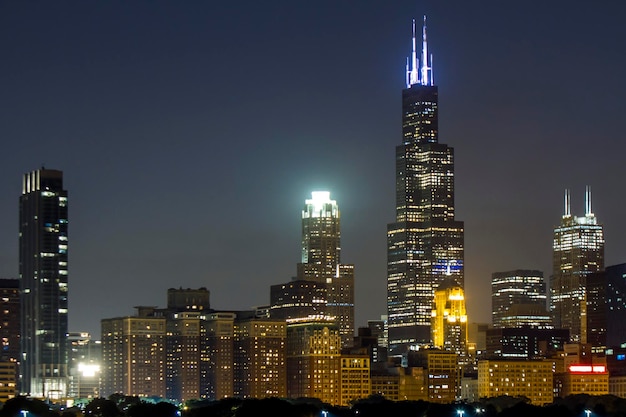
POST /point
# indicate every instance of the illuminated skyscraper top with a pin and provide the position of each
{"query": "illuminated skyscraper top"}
(578, 251)
(321, 260)
(416, 74)
(425, 243)
(321, 233)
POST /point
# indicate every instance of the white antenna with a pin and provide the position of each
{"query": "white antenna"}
(408, 73)
(425, 69)
(567, 204)
(414, 76)
(417, 70)
(432, 73)
(588, 201)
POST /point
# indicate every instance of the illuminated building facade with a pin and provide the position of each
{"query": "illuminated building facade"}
(516, 378)
(43, 247)
(449, 318)
(401, 383)
(355, 378)
(218, 331)
(260, 357)
(525, 342)
(185, 351)
(425, 243)
(444, 377)
(321, 260)
(518, 298)
(10, 337)
(10, 325)
(298, 299)
(8, 380)
(583, 379)
(442, 373)
(578, 251)
(314, 360)
(85, 356)
(133, 354)
(186, 347)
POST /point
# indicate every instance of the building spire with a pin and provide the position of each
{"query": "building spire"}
(425, 69)
(412, 75)
(418, 71)
(567, 204)
(588, 211)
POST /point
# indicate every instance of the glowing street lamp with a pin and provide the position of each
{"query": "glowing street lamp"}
(587, 413)
(460, 413)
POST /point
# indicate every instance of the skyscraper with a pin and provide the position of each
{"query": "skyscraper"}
(449, 318)
(43, 283)
(321, 260)
(606, 310)
(425, 243)
(133, 354)
(578, 251)
(518, 298)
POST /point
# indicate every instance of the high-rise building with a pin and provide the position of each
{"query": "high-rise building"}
(259, 357)
(449, 318)
(578, 251)
(425, 243)
(43, 247)
(525, 342)
(518, 298)
(298, 299)
(606, 311)
(321, 260)
(217, 373)
(186, 348)
(84, 358)
(133, 354)
(313, 360)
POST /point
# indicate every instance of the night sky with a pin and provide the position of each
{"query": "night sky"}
(191, 132)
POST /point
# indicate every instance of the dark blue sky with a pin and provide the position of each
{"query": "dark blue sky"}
(190, 134)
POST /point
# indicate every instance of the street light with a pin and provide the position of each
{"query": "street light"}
(587, 412)
(460, 413)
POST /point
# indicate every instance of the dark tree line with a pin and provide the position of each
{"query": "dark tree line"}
(374, 406)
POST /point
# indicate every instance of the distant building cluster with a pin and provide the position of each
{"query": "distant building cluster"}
(543, 342)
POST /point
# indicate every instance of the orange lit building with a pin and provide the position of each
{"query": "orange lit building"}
(516, 378)
(449, 318)
(584, 379)
(355, 378)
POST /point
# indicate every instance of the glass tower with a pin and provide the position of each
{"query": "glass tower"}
(518, 298)
(321, 260)
(578, 251)
(425, 243)
(43, 284)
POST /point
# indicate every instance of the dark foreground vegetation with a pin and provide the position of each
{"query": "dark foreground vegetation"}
(374, 406)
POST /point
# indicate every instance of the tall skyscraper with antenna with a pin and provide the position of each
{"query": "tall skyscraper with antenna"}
(578, 250)
(425, 243)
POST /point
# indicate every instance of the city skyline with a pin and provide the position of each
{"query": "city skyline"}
(174, 123)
